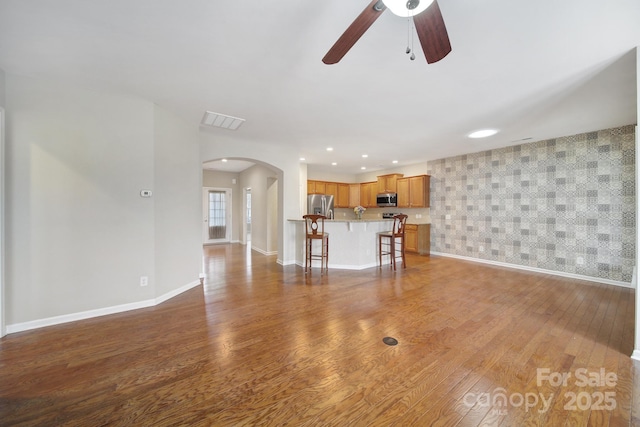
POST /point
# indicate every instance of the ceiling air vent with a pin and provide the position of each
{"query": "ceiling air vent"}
(221, 121)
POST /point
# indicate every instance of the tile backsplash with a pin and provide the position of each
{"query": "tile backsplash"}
(565, 204)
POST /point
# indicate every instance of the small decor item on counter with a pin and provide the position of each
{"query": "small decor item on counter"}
(358, 210)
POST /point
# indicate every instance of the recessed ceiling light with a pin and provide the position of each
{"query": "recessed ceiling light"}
(225, 160)
(302, 159)
(329, 148)
(363, 167)
(483, 133)
(334, 164)
(365, 156)
(394, 162)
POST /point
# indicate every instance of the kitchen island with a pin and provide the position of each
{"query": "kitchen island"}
(353, 244)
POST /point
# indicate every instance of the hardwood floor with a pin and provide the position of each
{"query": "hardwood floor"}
(261, 344)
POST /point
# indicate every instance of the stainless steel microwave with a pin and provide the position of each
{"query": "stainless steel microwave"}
(387, 199)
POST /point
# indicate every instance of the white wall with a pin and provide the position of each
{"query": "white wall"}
(636, 352)
(79, 236)
(177, 202)
(3, 328)
(272, 215)
(407, 170)
(321, 175)
(2, 88)
(260, 179)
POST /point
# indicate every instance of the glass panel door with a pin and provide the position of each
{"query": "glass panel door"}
(217, 215)
(217, 221)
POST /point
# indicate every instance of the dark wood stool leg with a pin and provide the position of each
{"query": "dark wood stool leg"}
(326, 258)
(393, 252)
(307, 256)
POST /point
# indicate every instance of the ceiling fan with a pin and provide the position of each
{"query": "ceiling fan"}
(427, 20)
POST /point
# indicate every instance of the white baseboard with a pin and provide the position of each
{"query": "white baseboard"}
(66, 318)
(176, 292)
(263, 252)
(635, 355)
(539, 270)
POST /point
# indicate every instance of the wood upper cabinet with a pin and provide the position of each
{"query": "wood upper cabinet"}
(402, 188)
(354, 195)
(368, 192)
(339, 191)
(331, 189)
(387, 183)
(316, 187)
(343, 199)
(373, 192)
(413, 192)
(419, 191)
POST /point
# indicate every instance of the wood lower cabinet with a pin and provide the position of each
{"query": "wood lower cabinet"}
(417, 238)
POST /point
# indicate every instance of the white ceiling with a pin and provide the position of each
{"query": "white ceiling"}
(534, 69)
(227, 165)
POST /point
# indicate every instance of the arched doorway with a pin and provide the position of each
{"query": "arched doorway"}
(260, 223)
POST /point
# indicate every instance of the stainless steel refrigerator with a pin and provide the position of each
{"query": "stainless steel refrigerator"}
(320, 204)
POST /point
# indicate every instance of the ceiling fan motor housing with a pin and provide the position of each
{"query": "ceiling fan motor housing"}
(412, 4)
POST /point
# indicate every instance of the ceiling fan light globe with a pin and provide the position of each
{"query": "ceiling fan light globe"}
(399, 7)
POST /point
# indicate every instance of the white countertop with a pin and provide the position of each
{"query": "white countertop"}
(353, 242)
(351, 220)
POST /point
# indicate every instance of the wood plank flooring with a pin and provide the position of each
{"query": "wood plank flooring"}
(262, 344)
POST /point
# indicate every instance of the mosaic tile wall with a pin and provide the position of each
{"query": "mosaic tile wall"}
(542, 204)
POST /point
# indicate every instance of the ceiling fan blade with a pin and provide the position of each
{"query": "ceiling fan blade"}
(354, 32)
(432, 33)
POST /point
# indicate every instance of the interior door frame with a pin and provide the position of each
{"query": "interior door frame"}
(205, 214)
(3, 326)
(245, 191)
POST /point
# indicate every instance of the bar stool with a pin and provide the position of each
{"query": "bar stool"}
(389, 240)
(315, 231)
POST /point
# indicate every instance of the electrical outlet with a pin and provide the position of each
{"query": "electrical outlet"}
(144, 280)
(481, 248)
(580, 260)
(418, 215)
